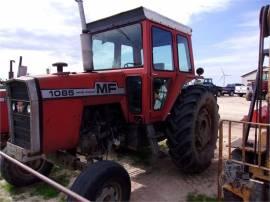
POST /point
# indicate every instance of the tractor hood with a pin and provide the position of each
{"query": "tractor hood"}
(52, 102)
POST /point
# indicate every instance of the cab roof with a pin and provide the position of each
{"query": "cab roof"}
(135, 15)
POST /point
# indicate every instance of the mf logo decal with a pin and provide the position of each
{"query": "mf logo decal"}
(108, 88)
(101, 88)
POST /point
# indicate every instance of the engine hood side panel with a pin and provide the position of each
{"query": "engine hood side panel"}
(64, 98)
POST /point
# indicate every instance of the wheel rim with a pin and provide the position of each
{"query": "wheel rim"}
(110, 192)
(203, 129)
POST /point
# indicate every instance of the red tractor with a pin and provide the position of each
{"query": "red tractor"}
(130, 94)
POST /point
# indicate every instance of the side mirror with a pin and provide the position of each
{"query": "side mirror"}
(200, 71)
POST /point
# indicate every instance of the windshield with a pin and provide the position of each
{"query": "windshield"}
(118, 48)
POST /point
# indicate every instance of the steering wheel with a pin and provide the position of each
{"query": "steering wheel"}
(132, 63)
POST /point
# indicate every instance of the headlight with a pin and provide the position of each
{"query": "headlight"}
(28, 109)
(14, 106)
(21, 107)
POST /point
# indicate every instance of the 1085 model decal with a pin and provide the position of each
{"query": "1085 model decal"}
(61, 93)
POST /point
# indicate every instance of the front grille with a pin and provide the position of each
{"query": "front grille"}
(20, 117)
(21, 124)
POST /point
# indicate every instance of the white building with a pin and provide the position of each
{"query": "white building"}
(251, 76)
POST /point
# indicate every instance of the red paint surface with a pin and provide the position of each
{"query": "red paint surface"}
(264, 115)
(61, 118)
(255, 117)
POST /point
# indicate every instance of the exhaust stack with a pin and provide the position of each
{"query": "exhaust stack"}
(86, 42)
(82, 16)
(22, 70)
(11, 73)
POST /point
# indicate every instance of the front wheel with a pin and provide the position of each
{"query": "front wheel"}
(192, 129)
(103, 181)
(18, 177)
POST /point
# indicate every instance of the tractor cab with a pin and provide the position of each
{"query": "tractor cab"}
(125, 40)
(141, 44)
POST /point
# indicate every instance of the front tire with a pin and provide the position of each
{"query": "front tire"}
(103, 181)
(18, 177)
(193, 128)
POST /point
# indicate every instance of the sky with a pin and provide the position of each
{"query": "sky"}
(225, 34)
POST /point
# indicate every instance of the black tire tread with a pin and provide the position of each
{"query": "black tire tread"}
(93, 177)
(9, 171)
(180, 127)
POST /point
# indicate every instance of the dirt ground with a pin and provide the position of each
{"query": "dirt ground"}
(161, 181)
(166, 183)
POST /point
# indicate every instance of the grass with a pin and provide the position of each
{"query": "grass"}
(195, 197)
(137, 157)
(40, 189)
(142, 157)
(47, 191)
(44, 190)
(9, 188)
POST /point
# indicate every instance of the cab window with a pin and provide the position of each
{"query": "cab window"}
(118, 48)
(160, 92)
(183, 54)
(126, 56)
(162, 49)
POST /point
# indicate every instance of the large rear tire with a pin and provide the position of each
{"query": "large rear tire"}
(18, 177)
(192, 129)
(103, 181)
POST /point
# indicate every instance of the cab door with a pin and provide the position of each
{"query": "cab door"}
(163, 70)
